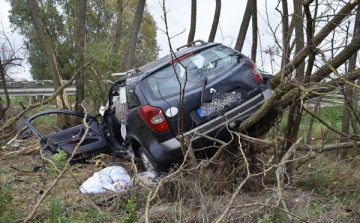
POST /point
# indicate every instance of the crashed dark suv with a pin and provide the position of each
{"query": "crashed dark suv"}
(199, 90)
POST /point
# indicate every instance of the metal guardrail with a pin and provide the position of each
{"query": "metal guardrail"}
(33, 88)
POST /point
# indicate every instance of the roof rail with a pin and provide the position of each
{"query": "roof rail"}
(192, 44)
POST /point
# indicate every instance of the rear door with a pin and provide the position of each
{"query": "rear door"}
(53, 137)
(211, 81)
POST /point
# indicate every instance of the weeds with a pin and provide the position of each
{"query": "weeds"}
(59, 160)
(5, 198)
(130, 211)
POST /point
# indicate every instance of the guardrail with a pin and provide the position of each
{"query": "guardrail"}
(33, 88)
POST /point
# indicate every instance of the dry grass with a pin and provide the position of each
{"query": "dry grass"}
(323, 190)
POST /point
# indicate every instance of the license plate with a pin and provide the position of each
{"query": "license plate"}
(201, 113)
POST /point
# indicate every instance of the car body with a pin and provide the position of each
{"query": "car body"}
(200, 90)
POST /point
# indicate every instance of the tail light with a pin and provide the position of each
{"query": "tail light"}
(255, 72)
(154, 117)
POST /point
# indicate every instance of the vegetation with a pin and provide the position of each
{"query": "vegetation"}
(304, 169)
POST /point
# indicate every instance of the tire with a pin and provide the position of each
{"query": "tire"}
(148, 162)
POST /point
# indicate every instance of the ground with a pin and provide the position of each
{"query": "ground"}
(320, 192)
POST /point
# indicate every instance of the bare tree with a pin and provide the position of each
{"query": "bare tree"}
(134, 33)
(254, 31)
(193, 21)
(351, 94)
(244, 26)
(295, 111)
(80, 47)
(215, 21)
(8, 58)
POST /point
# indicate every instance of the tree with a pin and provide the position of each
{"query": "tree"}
(59, 19)
(351, 93)
(286, 93)
(62, 100)
(244, 26)
(192, 22)
(9, 57)
(120, 13)
(134, 34)
(254, 30)
(79, 46)
(215, 21)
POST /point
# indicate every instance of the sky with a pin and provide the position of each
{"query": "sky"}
(178, 16)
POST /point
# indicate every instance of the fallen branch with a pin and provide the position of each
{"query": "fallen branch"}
(280, 172)
(15, 137)
(25, 151)
(329, 147)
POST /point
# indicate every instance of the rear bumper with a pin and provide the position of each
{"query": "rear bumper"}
(214, 126)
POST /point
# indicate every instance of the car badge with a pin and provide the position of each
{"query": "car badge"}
(212, 91)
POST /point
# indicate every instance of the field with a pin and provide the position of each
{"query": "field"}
(322, 188)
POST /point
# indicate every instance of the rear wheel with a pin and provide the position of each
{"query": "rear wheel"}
(148, 162)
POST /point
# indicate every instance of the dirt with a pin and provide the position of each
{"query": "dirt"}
(28, 178)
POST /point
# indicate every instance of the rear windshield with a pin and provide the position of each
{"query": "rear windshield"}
(191, 71)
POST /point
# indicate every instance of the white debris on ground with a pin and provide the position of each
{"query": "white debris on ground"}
(112, 178)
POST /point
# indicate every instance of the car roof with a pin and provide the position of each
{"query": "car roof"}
(156, 64)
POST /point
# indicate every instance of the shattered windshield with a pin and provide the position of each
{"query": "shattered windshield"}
(190, 71)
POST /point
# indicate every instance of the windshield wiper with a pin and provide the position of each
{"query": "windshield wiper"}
(205, 80)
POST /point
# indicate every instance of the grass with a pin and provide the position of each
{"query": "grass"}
(323, 189)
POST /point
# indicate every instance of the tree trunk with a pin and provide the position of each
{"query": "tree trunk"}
(193, 22)
(3, 109)
(244, 26)
(215, 21)
(350, 94)
(116, 45)
(80, 47)
(254, 31)
(134, 34)
(295, 114)
(61, 99)
(285, 39)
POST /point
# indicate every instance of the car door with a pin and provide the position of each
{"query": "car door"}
(66, 138)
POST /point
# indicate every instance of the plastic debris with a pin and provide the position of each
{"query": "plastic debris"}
(112, 178)
(148, 178)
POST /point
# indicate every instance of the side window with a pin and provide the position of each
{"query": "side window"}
(132, 99)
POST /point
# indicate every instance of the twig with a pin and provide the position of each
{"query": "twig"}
(248, 175)
(17, 135)
(269, 206)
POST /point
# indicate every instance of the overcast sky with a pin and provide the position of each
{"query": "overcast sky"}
(178, 16)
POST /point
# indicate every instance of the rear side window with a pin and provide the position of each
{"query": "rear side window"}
(191, 71)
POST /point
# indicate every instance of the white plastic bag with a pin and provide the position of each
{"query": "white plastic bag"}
(112, 178)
